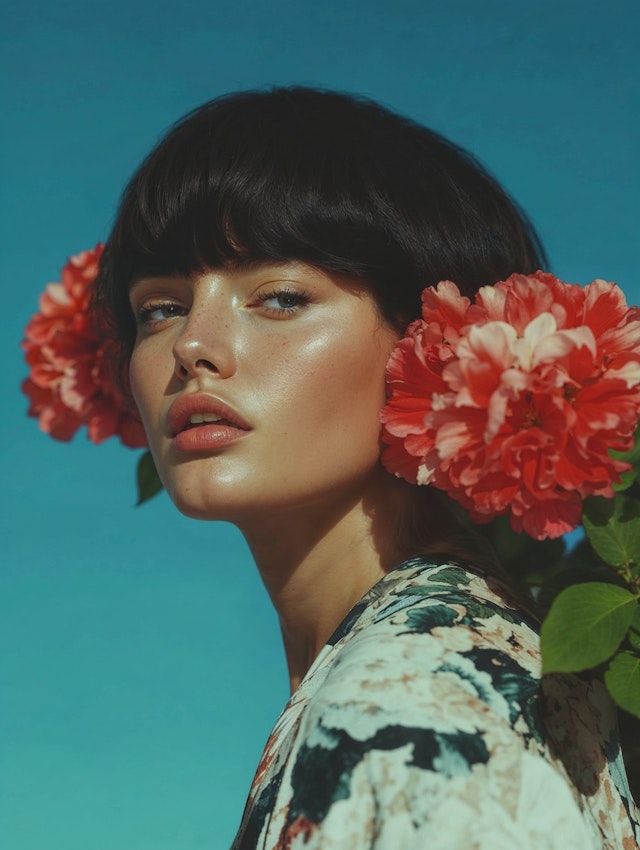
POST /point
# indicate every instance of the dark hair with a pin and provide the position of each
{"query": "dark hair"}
(329, 179)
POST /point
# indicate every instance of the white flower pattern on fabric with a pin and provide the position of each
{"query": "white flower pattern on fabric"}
(424, 723)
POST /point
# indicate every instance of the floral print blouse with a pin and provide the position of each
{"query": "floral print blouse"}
(424, 723)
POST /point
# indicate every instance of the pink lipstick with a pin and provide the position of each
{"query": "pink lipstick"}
(201, 423)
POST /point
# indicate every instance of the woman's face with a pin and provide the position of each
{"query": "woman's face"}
(259, 387)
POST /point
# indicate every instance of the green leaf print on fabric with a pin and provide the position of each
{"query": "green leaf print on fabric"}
(476, 612)
(451, 576)
(479, 610)
(515, 684)
(322, 775)
(428, 617)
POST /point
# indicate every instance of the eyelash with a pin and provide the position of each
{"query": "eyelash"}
(300, 300)
(143, 314)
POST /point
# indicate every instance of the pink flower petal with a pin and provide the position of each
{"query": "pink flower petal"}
(516, 412)
(69, 383)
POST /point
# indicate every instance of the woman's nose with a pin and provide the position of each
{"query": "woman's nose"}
(205, 343)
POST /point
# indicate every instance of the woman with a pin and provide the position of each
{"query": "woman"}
(265, 260)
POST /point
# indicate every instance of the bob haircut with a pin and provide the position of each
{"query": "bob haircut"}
(329, 179)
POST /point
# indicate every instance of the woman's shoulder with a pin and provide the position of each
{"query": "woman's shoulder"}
(445, 624)
(435, 698)
(438, 670)
(421, 725)
(426, 595)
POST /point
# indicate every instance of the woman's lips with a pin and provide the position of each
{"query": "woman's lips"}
(199, 422)
(208, 437)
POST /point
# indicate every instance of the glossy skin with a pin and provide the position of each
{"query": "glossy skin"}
(298, 353)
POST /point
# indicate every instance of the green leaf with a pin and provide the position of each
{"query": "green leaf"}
(634, 632)
(148, 481)
(613, 528)
(585, 625)
(580, 568)
(623, 681)
(632, 457)
(626, 480)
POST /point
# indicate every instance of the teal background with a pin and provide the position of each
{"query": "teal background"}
(141, 663)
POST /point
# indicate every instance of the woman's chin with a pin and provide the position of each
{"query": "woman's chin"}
(196, 507)
(206, 490)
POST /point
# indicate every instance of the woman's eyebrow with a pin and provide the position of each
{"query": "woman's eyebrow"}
(243, 264)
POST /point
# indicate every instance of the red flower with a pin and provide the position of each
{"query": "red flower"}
(69, 383)
(511, 404)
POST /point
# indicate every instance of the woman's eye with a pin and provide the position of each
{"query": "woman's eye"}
(150, 314)
(284, 301)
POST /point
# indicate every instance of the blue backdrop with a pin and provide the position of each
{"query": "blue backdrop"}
(141, 663)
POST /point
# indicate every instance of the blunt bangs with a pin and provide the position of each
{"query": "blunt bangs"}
(333, 180)
(238, 182)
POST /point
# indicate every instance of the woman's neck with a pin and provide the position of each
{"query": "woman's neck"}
(318, 560)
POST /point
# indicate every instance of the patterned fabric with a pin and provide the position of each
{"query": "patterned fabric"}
(423, 723)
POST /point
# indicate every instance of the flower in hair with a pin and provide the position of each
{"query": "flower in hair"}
(511, 404)
(70, 383)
